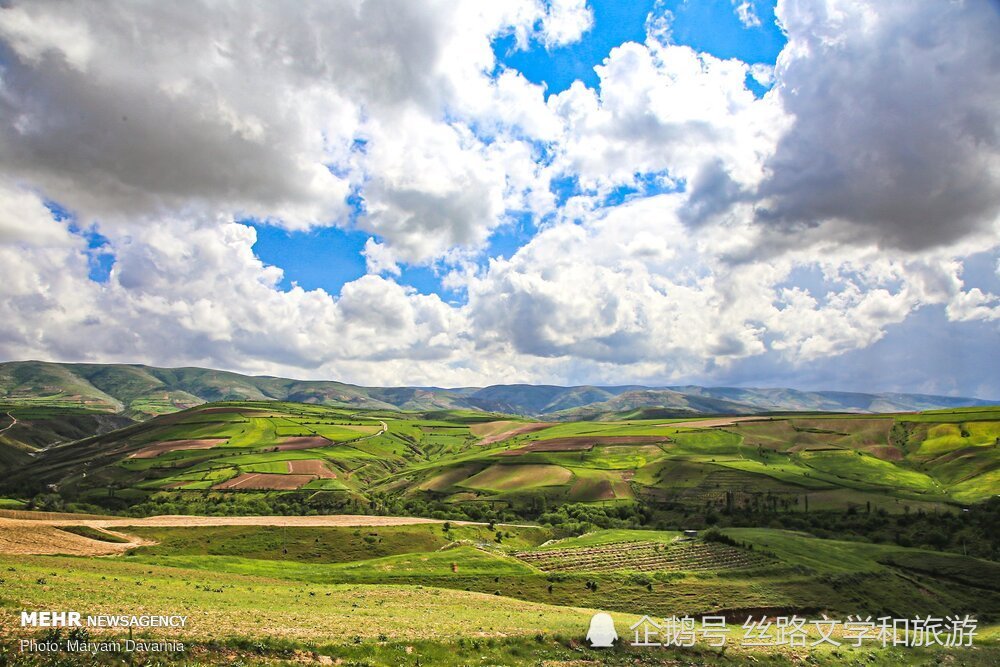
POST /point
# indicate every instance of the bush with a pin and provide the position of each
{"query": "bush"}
(715, 535)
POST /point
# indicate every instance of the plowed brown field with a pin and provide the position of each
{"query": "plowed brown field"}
(303, 442)
(151, 451)
(313, 467)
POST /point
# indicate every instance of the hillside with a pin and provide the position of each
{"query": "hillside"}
(462, 459)
(140, 392)
(359, 594)
(26, 429)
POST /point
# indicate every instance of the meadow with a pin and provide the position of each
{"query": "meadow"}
(536, 526)
(453, 594)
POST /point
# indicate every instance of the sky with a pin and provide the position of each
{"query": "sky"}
(458, 193)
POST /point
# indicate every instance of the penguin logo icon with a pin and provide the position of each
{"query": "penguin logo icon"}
(602, 633)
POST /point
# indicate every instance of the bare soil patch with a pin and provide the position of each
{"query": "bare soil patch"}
(583, 443)
(303, 442)
(31, 515)
(25, 537)
(225, 410)
(154, 450)
(184, 520)
(504, 435)
(313, 467)
(885, 452)
(265, 480)
(722, 421)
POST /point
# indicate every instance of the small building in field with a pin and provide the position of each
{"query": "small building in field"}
(690, 534)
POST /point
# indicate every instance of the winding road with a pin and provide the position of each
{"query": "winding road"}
(13, 422)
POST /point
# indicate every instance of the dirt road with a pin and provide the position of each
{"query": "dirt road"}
(13, 422)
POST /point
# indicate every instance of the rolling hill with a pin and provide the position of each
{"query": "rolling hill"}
(140, 392)
(790, 463)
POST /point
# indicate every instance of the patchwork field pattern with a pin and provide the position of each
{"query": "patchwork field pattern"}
(833, 461)
(155, 450)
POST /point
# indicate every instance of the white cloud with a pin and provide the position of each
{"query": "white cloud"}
(257, 110)
(746, 13)
(566, 21)
(799, 227)
(895, 136)
(34, 37)
(664, 108)
(25, 219)
(379, 258)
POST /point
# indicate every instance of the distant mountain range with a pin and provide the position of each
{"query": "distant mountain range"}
(143, 391)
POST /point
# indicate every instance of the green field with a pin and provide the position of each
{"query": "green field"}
(934, 460)
(430, 594)
(814, 514)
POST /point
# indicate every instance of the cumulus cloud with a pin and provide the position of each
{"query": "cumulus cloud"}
(195, 293)
(379, 258)
(896, 132)
(272, 110)
(706, 232)
(566, 21)
(666, 109)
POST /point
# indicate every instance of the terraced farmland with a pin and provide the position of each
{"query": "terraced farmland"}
(644, 556)
(357, 456)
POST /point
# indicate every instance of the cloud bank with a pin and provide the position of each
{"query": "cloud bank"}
(682, 227)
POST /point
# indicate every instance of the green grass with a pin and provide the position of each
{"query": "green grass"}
(806, 574)
(256, 432)
(611, 536)
(854, 466)
(517, 477)
(370, 592)
(256, 620)
(326, 485)
(705, 442)
(435, 455)
(221, 604)
(979, 488)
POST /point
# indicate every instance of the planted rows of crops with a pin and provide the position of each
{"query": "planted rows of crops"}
(645, 557)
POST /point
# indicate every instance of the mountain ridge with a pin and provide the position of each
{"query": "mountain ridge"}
(141, 391)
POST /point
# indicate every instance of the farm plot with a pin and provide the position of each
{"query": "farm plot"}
(302, 442)
(585, 444)
(868, 470)
(494, 432)
(259, 431)
(645, 556)
(447, 478)
(518, 477)
(557, 445)
(154, 450)
(313, 467)
(259, 480)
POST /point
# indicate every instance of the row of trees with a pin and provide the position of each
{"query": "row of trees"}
(971, 531)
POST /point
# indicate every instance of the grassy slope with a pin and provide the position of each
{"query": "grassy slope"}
(805, 574)
(369, 593)
(222, 604)
(144, 391)
(362, 623)
(842, 460)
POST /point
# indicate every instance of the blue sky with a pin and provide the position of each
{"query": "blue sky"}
(330, 257)
(424, 197)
